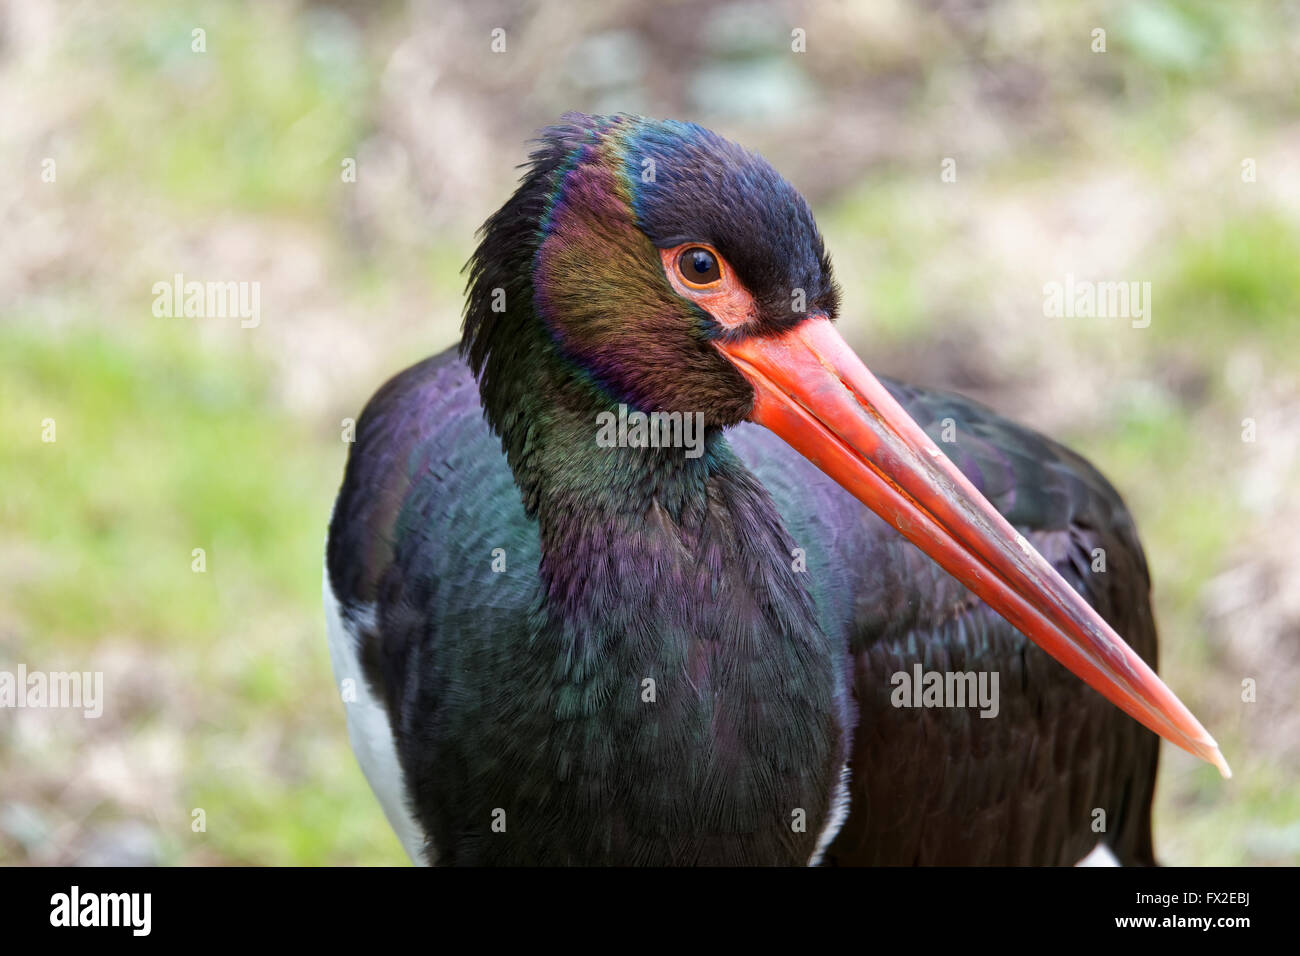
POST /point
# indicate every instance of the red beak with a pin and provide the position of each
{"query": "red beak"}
(817, 395)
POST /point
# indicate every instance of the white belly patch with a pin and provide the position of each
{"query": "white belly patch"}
(370, 731)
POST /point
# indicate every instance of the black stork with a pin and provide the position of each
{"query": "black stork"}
(568, 642)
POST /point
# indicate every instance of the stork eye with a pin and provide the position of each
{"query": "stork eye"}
(698, 266)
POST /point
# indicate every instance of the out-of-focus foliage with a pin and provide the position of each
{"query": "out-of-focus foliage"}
(182, 433)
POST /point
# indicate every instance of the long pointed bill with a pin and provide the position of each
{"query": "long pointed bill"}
(817, 395)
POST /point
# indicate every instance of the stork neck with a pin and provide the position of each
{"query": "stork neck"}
(602, 460)
(617, 522)
(573, 446)
(599, 464)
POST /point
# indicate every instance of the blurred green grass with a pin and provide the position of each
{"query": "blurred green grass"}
(258, 123)
(161, 448)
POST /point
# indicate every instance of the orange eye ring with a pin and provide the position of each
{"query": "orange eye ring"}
(724, 296)
(699, 266)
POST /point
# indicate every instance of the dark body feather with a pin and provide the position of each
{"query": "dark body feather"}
(524, 690)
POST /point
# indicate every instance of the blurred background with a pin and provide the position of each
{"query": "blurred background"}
(130, 155)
